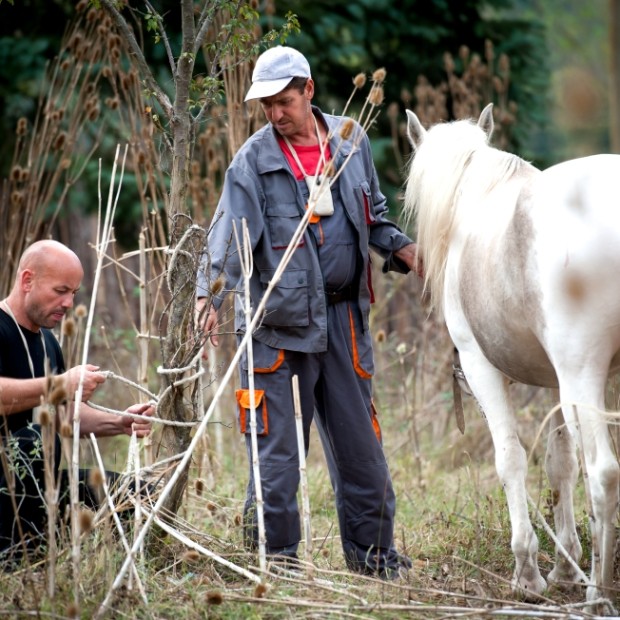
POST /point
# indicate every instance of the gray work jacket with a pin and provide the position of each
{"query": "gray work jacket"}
(260, 188)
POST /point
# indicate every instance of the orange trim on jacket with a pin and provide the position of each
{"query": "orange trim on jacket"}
(356, 360)
(274, 366)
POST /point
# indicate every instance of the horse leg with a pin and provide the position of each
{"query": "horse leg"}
(588, 425)
(562, 471)
(490, 388)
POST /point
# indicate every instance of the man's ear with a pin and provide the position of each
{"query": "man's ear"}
(27, 278)
(309, 90)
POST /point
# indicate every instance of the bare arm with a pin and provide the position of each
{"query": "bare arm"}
(104, 424)
(21, 394)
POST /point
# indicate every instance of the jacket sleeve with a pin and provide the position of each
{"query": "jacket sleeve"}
(385, 237)
(241, 201)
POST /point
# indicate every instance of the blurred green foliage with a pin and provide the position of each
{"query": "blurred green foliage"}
(408, 38)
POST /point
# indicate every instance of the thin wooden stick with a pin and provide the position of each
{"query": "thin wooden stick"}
(247, 266)
(115, 517)
(303, 479)
(102, 243)
(143, 343)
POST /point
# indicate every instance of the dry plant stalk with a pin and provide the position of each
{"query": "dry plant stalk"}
(303, 477)
(45, 167)
(460, 96)
(247, 268)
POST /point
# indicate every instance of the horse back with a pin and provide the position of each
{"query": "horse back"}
(538, 276)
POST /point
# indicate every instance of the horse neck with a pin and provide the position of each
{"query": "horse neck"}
(446, 194)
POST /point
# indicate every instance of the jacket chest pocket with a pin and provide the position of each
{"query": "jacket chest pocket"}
(282, 222)
(287, 305)
(365, 198)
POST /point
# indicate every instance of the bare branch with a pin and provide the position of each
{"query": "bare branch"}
(138, 57)
(164, 37)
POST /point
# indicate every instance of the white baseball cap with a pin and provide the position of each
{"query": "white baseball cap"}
(274, 69)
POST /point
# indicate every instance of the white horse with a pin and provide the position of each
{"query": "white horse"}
(525, 267)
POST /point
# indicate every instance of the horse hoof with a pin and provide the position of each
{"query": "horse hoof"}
(529, 589)
(598, 603)
(563, 580)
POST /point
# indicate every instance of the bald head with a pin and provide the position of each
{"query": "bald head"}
(48, 254)
(48, 277)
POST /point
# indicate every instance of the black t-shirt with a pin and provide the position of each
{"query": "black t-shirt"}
(14, 361)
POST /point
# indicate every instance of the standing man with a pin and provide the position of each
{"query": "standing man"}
(315, 324)
(48, 277)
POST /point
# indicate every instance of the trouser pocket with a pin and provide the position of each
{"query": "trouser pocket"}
(244, 404)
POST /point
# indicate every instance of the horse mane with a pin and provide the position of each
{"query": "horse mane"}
(449, 155)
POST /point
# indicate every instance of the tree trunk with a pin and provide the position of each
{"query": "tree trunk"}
(185, 244)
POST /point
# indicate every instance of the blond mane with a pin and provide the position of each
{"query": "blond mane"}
(438, 168)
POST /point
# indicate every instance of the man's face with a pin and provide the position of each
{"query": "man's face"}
(49, 294)
(289, 110)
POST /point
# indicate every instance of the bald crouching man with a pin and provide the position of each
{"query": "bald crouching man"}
(49, 275)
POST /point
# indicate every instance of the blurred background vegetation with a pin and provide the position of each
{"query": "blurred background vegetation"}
(553, 58)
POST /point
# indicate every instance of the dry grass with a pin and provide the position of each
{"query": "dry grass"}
(452, 521)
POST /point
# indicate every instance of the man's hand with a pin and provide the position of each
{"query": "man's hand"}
(208, 322)
(141, 426)
(92, 380)
(412, 258)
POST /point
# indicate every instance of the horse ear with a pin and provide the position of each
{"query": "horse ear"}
(485, 122)
(415, 131)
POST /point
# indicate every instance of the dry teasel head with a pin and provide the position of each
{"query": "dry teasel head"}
(95, 478)
(65, 430)
(359, 80)
(393, 111)
(199, 486)
(260, 590)
(16, 173)
(190, 556)
(22, 127)
(217, 286)
(86, 520)
(59, 141)
(17, 198)
(45, 416)
(503, 63)
(68, 327)
(378, 77)
(81, 311)
(59, 395)
(346, 130)
(215, 597)
(112, 103)
(376, 95)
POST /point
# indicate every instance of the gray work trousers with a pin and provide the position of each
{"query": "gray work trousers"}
(335, 391)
